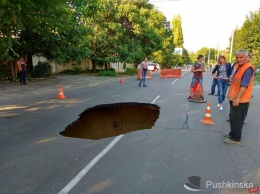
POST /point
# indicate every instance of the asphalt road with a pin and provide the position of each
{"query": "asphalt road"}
(36, 159)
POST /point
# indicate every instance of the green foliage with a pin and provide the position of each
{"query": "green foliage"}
(4, 72)
(108, 73)
(177, 31)
(257, 78)
(122, 31)
(112, 69)
(43, 69)
(75, 71)
(130, 71)
(172, 37)
(165, 56)
(205, 51)
(186, 57)
(248, 37)
(56, 30)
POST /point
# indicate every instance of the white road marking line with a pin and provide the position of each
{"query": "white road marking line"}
(156, 99)
(175, 81)
(178, 78)
(87, 168)
(84, 171)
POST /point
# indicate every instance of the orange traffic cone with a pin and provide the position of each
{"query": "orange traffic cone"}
(207, 118)
(60, 94)
(121, 80)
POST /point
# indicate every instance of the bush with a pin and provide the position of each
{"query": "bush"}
(75, 71)
(130, 71)
(257, 77)
(43, 69)
(4, 72)
(109, 73)
(112, 69)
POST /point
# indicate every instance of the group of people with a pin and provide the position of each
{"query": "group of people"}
(239, 77)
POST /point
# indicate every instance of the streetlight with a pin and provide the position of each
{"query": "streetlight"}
(217, 54)
(231, 46)
(208, 55)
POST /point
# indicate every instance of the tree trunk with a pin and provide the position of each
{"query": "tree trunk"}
(106, 66)
(29, 64)
(12, 72)
(94, 66)
(15, 67)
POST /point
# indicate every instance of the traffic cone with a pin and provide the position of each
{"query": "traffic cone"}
(60, 94)
(121, 80)
(207, 118)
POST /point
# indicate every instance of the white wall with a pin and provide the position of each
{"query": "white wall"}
(85, 64)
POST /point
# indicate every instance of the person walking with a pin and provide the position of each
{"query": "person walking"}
(239, 96)
(144, 69)
(224, 72)
(22, 65)
(197, 69)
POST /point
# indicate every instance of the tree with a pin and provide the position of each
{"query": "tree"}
(53, 29)
(186, 57)
(248, 36)
(209, 54)
(121, 32)
(164, 56)
(177, 31)
(178, 41)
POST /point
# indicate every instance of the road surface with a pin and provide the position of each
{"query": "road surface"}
(36, 159)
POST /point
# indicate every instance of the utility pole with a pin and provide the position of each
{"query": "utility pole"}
(208, 56)
(231, 46)
(218, 54)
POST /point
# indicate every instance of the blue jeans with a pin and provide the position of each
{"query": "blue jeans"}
(222, 90)
(22, 75)
(143, 77)
(213, 86)
(193, 81)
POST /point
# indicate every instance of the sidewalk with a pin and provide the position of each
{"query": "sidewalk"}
(13, 90)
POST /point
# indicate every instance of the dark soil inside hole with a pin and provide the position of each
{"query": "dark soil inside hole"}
(110, 120)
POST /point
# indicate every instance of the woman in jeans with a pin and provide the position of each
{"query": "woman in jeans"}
(223, 76)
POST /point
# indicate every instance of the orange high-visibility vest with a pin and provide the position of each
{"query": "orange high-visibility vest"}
(19, 67)
(235, 85)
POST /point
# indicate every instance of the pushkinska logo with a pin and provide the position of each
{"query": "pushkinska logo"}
(193, 184)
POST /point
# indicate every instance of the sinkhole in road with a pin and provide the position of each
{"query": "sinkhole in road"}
(108, 120)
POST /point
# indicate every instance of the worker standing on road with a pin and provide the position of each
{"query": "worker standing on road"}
(239, 95)
(197, 69)
(144, 69)
(22, 70)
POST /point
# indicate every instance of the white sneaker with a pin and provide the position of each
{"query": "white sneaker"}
(220, 108)
(218, 105)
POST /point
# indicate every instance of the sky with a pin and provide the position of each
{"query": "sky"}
(207, 23)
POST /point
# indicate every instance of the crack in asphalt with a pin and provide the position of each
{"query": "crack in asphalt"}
(185, 125)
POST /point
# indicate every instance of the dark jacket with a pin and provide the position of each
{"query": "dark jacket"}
(215, 69)
(228, 69)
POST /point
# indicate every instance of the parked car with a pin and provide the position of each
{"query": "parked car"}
(153, 66)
